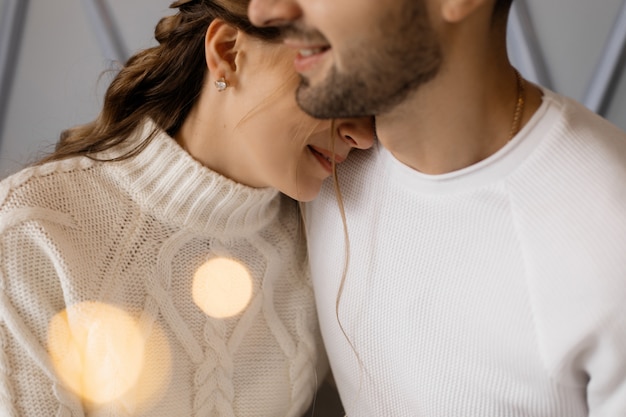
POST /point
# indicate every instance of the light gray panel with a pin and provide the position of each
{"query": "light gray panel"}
(572, 35)
(105, 27)
(56, 83)
(137, 20)
(617, 110)
(12, 15)
(525, 50)
(60, 80)
(601, 89)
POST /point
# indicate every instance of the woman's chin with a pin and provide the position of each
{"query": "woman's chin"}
(305, 194)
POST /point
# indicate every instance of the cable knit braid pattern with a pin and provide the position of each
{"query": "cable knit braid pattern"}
(98, 255)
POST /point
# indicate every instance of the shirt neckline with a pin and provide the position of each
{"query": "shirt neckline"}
(488, 171)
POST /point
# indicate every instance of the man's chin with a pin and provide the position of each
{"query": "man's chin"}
(325, 103)
(311, 103)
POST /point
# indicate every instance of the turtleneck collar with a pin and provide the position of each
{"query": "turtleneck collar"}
(169, 184)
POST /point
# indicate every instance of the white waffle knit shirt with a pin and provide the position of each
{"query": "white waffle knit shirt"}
(131, 235)
(495, 291)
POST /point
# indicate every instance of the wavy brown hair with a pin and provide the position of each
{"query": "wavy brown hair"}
(162, 83)
(501, 8)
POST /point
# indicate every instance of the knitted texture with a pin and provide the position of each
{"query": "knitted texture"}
(495, 291)
(80, 238)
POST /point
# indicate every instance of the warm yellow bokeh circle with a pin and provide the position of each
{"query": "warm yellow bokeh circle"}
(96, 350)
(222, 287)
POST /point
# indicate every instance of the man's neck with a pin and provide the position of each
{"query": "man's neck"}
(455, 121)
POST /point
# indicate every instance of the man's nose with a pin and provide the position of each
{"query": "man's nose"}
(358, 132)
(273, 12)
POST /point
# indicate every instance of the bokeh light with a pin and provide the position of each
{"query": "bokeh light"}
(99, 352)
(222, 287)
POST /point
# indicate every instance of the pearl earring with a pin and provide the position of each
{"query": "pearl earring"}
(221, 84)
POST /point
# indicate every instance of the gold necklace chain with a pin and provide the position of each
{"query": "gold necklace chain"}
(519, 105)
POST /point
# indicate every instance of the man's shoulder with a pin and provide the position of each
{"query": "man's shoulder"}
(578, 147)
(579, 128)
(573, 186)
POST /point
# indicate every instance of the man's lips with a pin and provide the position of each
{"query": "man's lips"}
(308, 52)
(308, 55)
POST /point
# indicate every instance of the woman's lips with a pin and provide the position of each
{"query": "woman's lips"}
(326, 157)
(324, 161)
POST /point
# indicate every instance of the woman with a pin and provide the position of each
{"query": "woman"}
(150, 266)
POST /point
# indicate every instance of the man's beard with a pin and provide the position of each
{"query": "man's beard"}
(381, 74)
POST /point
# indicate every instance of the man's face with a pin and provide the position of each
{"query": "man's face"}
(357, 57)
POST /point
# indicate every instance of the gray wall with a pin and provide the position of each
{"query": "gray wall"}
(58, 78)
(53, 64)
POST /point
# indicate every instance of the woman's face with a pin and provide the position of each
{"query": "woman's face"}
(278, 144)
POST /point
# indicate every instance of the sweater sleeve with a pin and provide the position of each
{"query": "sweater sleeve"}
(31, 294)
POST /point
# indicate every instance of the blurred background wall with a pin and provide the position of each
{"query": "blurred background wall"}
(54, 57)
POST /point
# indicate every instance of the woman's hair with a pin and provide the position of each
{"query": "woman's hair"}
(501, 8)
(161, 83)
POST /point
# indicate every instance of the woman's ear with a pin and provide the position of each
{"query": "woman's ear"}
(455, 11)
(220, 49)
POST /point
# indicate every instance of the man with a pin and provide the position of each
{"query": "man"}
(486, 266)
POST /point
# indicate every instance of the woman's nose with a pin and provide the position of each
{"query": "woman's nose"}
(357, 132)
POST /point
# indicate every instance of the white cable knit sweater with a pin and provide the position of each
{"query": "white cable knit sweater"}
(495, 291)
(130, 236)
